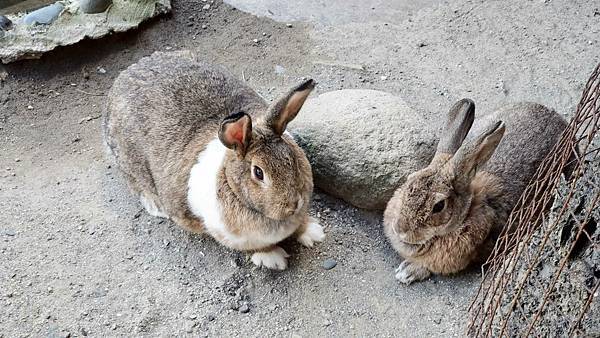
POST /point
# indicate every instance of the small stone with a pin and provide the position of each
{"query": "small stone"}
(30, 107)
(327, 323)
(101, 70)
(383, 77)
(437, 321)
(204, 26)
(329, 264)
(193, 316)
(255, 40)
(289, 25)
(206, 7)
(264, 34)
(168, 48)
(50, 289)
(210, 317)
(44, 15)
(421, 44)
(94, 6)
(5, 23)
(244, 308)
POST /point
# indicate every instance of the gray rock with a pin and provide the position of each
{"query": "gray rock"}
(45, 15)
(94, 6)
(362, 144)
(329, 264)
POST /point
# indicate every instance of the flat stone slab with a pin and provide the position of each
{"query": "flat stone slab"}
(26, 41)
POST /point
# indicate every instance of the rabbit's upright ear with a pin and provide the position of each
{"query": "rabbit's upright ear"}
(476, 153)
(458, 123)
(236, 132)
(287, 107)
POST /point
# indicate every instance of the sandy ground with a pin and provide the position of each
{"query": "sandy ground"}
(79, 257)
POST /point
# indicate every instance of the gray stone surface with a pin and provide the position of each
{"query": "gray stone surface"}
(362, 144)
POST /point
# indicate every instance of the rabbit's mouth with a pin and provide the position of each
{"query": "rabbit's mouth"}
(405, 239)
(416, 243)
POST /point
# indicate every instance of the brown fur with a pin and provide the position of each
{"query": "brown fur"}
(479, 183)
(164, 110)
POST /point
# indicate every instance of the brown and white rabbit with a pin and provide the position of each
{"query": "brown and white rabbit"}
(449, 214)
(201, 148)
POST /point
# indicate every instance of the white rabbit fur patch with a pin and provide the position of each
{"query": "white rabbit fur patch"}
(203, 202)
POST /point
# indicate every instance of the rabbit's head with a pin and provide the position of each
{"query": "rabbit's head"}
(266, 169)
(436, 200)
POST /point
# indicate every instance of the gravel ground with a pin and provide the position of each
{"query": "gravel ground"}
(78, 256)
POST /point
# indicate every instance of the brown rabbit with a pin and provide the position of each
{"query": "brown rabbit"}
(449, 214)
(203, 149)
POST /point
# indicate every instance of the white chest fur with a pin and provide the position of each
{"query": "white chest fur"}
(203, 202)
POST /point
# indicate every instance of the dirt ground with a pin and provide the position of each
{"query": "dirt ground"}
(79, 257)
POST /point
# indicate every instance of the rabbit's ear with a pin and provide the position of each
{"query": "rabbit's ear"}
(458, 123)
(476, 153)
(287, 107)
(236, 132)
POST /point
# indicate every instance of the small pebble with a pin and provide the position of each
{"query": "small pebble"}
(383, 77)
(329, 264)
(206, 7)
(5, 23)
(44, 15)
(255, 40)
(30, 107)
(244, 308)
(289, 25)
(101, 70)
(204, 26)
(94, 6)
(17, 160)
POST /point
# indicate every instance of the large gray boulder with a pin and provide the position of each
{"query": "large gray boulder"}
(362, 144)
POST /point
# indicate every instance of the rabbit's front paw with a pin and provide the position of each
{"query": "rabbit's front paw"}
(409, 272)
(313, 233)
(275, 259)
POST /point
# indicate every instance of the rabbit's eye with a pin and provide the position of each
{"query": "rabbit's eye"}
(439, 206)
(258, 173)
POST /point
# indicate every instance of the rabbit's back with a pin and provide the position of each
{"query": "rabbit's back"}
(177, 97)
(161, 113)
(531, 132)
